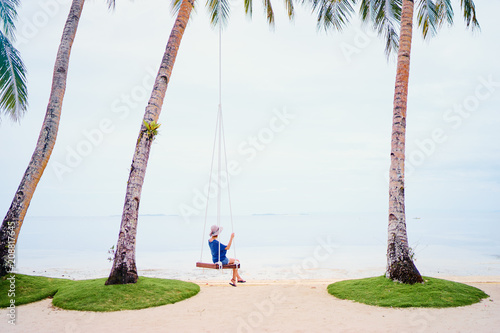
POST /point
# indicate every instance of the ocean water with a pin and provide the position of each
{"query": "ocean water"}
(314, 246)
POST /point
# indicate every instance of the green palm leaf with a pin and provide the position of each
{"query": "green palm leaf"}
(290, 9)
(385, 16)
(13, 89)
(469, 9)
(432, 15)
(427, 17)
(269, 11)
(333, 13)
(219, 11)
(175, 5)
(444, 11)
(8, 16)
(248, 7)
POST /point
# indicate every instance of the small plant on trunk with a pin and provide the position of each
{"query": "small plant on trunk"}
(151, 128)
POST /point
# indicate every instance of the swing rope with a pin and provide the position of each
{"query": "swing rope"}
(219, 145)
(209, 187)
(228, 187)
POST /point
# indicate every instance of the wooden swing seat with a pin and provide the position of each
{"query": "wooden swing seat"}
(215, 266)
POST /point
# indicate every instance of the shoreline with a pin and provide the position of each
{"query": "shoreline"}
(226, 275)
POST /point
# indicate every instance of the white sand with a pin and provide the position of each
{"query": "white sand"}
(267, 306)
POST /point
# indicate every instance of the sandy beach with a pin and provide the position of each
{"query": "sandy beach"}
(267, 306)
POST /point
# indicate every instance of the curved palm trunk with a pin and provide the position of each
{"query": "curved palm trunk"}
(124, 269)
(13, 221)
(400, 265)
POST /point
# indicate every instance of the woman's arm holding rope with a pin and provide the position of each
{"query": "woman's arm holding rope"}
(230, 242)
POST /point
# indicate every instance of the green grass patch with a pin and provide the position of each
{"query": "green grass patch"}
(380, 291)
(93, 295)
(27, 289)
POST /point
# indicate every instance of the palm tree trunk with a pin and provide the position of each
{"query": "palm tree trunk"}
(11, 225)
(400, 265)
(124, 269)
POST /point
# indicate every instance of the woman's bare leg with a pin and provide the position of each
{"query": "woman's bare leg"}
(236, 275)
(235, 271)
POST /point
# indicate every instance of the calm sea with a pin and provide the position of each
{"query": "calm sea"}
(268, 246)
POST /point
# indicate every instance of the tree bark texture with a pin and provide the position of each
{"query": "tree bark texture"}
(124, 268)
(400, 266)
(11, 225)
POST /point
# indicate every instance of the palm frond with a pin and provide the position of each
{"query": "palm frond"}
(385, 18)
(248, 7)
(219, 11)
(269, 12)
(444, 12)
(13, 88)
(391, 35)
(111, 4)
(333, 13)
(290, 9)
(8, 16)
(470, 18)
(175, 6)
(427, 17)
(365, 10)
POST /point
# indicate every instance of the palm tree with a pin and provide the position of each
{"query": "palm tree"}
(13, 221)
(124, 268)
(13, 89)
(387, 16)
(431, 15)
(400, 265)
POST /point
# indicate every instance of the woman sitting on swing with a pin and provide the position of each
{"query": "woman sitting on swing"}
(217, 255)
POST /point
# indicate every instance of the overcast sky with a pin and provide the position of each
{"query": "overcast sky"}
(307, 114)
